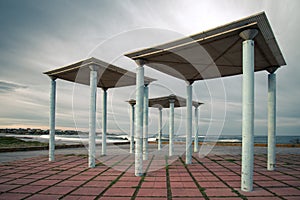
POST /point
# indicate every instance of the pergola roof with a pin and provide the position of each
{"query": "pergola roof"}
(163, 102)
(187, 58)
(109, 76)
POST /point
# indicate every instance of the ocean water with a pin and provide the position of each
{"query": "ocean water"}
(257, 139)
(124, 138)
(237, 139)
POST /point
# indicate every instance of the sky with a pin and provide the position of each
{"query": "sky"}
(37, 36)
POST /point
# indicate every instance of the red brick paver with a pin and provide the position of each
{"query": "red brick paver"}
(213, 177)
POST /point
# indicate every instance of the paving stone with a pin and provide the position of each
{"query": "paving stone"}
(105, 178)
(270, 183)
(5, 187)
(45, 182)
(222, 198)
(125, 184)
(76, 197)
(263, 198)
(119, 198)
(21, 181)
(292, 197)
(58, 190)
(207, 178)
(148, 184)
(3, 180)
(95, 183)
(69, 183)
(80, 178)
(28, 172)
(14, 175)
(189, 184)
(188, 198)
(286, 191)
(48, 172)
(286, 178)
(293, 183)
(160, 184)
(8, 196)
(29, 189)
(123, 192)
(67, 173)
(261, 177)
(58, 177)
(175, 178)
(257, 191)
(130, 178)
(230, 178)
(186, 192)
(90, 173)
(220, 192)
(160, 179)
(212, 184)
(152, 192)
(88, 191)
(36, 176)
(44, 197)
(234, 184)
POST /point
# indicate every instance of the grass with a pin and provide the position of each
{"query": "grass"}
(11, 142)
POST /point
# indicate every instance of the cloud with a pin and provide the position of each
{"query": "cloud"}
(6, 87)
(40, 36)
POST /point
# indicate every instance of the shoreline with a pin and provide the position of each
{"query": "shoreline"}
(124, 150)
(68, 146)
(235, 144)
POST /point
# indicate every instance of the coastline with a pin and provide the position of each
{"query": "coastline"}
(78, 141)
(66, 146)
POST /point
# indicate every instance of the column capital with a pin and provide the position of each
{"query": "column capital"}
(189, 82)
(146, 84)
(140, 62)
(272, 70)
(160, 107)
(104, 89)
(52, 78)
(132, 102)
(248, 34)
(196, 105)
(93, 67)
(172, 98)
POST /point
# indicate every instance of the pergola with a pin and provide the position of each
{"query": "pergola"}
(172, 101)
(95, 73)
(231, 52)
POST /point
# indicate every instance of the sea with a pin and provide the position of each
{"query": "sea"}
(119, 138)
(257, 139)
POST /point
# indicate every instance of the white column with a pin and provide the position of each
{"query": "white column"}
(52, 119)
(171, 125)
(159, 146)
(189, 124)
(248, 110)
(139, 118)
(196, 121)
(92, 117)
(104, 121)
(145, 132)
(271, 121)
(132, 104)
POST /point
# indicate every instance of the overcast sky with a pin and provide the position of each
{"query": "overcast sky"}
(37, 36)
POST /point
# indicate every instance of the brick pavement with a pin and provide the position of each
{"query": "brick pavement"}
(213, 177)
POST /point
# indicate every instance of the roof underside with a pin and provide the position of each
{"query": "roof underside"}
(216, 52)
(109, 76)
(163, 102)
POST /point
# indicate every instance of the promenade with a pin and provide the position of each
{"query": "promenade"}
(216, 176)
